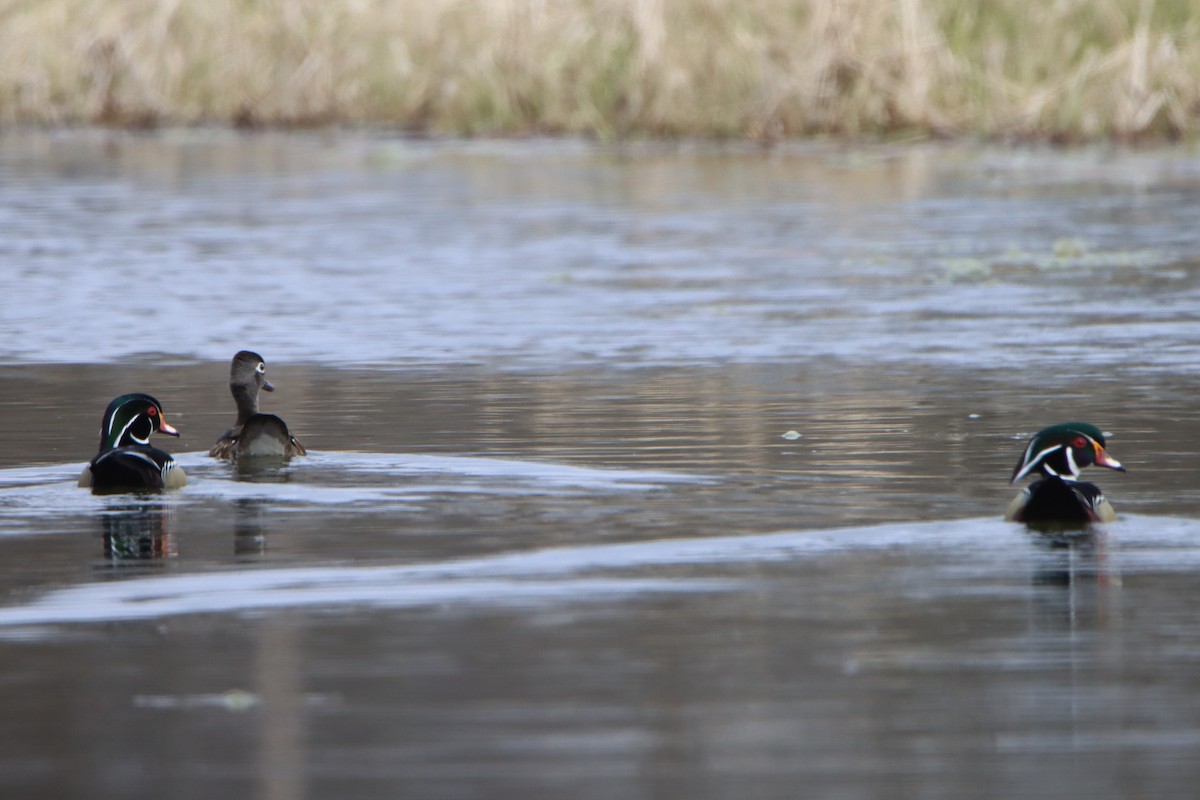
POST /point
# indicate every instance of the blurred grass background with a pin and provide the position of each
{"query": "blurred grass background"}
(1062, 70)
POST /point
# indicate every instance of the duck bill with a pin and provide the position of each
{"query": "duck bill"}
(163, 427)
(1103, 459)
(267, 386)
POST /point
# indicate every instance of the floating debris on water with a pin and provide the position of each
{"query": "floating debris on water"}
(232, 700)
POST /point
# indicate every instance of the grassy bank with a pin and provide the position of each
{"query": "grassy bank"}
(1054, 69)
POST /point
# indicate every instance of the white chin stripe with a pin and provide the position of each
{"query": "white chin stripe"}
(1071, 463)
(128, 425)
(1032, 463)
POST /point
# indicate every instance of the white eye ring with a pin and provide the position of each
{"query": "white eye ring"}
(261, 368)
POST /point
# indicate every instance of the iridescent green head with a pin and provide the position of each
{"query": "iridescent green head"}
(1064, 450)
(130, 419)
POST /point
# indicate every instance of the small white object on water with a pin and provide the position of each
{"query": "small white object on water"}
(972, 416)
(791, 435)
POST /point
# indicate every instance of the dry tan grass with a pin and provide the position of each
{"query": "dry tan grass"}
(1062, 69)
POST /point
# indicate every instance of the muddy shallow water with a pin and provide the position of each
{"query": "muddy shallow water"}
(636, 472)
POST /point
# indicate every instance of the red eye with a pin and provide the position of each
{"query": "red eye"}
(1079, 442)
(152, 411)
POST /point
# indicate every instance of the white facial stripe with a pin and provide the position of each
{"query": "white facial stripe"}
(128, 425)
(1026, 462)
(1071, 462)
(1030, 464)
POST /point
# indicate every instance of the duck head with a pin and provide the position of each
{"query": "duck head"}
(131, 419)
(1063, 450)
(247, 375)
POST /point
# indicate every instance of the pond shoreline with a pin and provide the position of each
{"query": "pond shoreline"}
(713, 69)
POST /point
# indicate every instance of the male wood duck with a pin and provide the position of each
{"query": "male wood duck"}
(254, 434)
(1057, 454)
(126, 462)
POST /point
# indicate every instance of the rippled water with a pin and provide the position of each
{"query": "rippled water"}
(552, 540)
(384, 251)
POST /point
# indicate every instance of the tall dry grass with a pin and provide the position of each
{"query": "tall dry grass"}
(1066, 69)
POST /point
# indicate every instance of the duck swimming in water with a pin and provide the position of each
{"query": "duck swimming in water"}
(1056, 455)
(126, 462)
(254, 434)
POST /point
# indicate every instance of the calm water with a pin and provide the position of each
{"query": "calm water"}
(551, 540)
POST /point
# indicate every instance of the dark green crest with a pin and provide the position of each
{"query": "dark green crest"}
(131, 419)
(1063, 450)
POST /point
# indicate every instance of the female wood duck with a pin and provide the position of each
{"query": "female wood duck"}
(254, 434)
(1057, 454)
(126, 462)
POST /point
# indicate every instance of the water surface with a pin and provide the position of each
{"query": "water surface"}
(355, 249)
(552, 539)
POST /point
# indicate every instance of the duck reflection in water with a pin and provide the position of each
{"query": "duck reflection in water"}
(1073, 578)
(1070, 555)
(137, 532)
(262, 469)
(249, 539)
